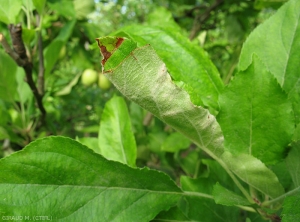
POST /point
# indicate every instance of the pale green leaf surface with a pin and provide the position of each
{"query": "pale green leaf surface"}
(143, 78)
(293, 163)
(228, 198)
(90, 142)
(175, 142)
(8, 83)
(162, 17)
(9, 9)
(291, 208)
(83, 8)
(61, 178)
(24, 92)
(256, 116)
(39, 5)
(185, 61)
(255, 173)
(277, 43)
(116, 139)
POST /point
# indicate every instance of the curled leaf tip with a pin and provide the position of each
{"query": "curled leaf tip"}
(108, 45)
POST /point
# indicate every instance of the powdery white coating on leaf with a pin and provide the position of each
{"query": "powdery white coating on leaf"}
(143, 78)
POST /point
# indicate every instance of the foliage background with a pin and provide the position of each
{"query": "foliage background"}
(59, 37)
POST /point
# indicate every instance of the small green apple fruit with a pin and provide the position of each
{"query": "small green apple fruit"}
(103, 82)
(89, 77)
(62, 52)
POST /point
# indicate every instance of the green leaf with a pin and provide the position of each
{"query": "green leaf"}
(142, 77)
(293, 163)
(64, 8)
(277, 43)
(90, 142)
(256, 116)
(185, 61)
(68, 88)
(260, 4)
(9, 10)
(8, 84)
(255, 173)
(198, 204)
(83, 8)
(60, 178)
(175, 142)
(173, 214)
(227, 197)
(39, 5)
(162, 17)
(116, 139)
(291, 208)
(51, 52)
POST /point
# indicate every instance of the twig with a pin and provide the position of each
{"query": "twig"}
(40, 80)
(199, 19)
(20, 57)
(10, 52)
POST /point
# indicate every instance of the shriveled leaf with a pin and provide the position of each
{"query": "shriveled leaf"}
(227, 197)
(256, 116)
(293, 163)
(142, 77)
(189, 63)
(277, 43)
(255, 173)
(61, 178)
(116, 139)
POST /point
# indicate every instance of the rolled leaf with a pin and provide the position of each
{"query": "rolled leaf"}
(143, 78)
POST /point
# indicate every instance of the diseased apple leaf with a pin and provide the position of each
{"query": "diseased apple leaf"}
(277, 44)
(256, 116)
(63, 179)
(143, 78)
(188, 62)
(116, 140)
